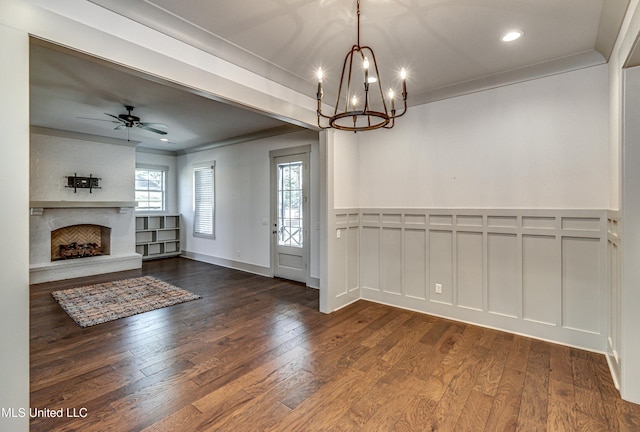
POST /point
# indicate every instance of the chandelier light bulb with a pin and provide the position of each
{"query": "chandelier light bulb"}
(372, 80)
(403, 74)
(354, 101)
(391, 94)
(320, 74)
(365, 63)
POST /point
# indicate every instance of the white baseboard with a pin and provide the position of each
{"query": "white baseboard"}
(314, 282)
(223, 262)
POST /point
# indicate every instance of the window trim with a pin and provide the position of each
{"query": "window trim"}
(203, 166)
(165, 172)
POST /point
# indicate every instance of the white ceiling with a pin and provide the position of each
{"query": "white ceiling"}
(68, 89)
(449, 47)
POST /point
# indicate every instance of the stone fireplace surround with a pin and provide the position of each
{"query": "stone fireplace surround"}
(48, 216)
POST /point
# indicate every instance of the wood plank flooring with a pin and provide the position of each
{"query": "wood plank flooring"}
(254, 354)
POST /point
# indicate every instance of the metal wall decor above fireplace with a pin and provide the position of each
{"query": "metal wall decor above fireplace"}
(78, 182)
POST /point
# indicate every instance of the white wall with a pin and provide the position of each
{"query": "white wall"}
(243, 202)
(346, 163)
(14, 223)
(170, 161)
(537, 144)
(54, 157)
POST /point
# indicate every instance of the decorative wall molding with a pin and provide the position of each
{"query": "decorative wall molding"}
(540, 273)
(614, 233)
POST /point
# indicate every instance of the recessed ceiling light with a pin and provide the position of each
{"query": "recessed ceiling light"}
(512, 36)
(164, 139)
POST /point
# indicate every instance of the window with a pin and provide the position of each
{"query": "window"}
(150, 188)
(204, 200)
(290, 199)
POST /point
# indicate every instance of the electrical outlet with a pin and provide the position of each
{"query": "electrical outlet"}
(438, 288)
(237, 254)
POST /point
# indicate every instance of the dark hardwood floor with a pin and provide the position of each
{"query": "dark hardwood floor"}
(254, 354)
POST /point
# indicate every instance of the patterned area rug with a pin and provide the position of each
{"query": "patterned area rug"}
(95, 304)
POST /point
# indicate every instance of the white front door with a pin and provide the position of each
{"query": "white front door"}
(290, 215)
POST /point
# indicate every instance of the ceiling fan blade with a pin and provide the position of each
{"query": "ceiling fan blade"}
(156, 125)
(115, 117)
(150, 129)
(104, 120)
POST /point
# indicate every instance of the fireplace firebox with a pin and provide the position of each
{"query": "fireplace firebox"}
(80, 241)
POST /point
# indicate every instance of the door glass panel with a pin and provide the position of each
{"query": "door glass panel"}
(290, 204)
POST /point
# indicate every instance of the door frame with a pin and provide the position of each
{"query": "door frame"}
(306, 220)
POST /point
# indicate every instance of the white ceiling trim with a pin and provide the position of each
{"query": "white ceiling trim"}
(541, 70)
(38, 130)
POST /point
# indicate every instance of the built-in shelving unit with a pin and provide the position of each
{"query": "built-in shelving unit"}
(158, 235)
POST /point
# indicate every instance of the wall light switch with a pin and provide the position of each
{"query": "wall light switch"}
(438, 288)
(338, 233)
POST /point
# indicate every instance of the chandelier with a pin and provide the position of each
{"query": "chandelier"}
(358, 109)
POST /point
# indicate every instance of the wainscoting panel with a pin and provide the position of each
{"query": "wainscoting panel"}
(441, 266)
(392, 260)
(580, 282)
(469, 269)
(353, 238)
(541, 273)
(370, 258)
(541, 279)
(504, 284)
(345, 263)
(415, 263)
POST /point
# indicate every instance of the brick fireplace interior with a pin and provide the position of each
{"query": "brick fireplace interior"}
(80, 241)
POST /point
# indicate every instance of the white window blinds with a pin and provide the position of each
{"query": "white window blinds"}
(204, 201)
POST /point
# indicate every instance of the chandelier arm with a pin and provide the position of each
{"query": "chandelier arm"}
(323, 115)
(404, 110)
(354, 49)
(375, 64)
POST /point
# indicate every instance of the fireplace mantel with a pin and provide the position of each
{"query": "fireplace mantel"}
(38, 207)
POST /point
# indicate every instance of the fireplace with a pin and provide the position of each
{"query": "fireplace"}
(66, 223)
(80, 241)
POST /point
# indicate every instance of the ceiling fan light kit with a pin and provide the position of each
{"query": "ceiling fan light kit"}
(357, 109)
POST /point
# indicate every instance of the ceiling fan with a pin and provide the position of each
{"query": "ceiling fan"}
(127, 121)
